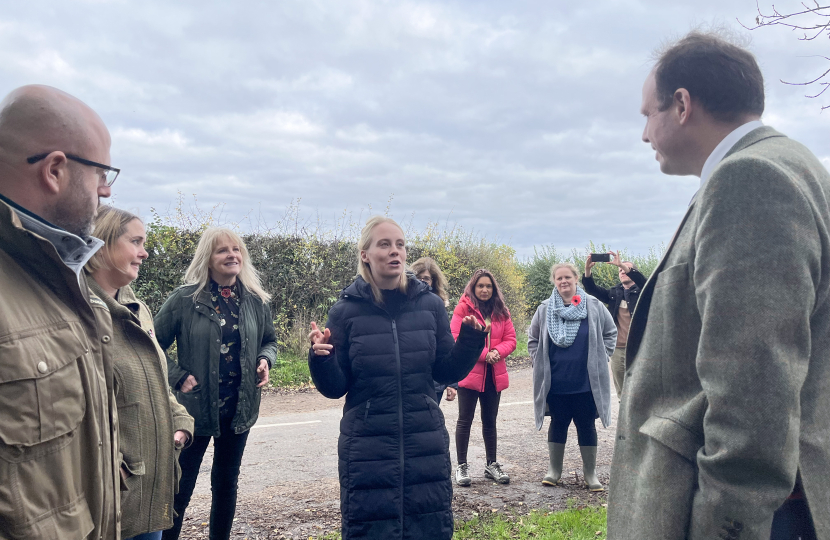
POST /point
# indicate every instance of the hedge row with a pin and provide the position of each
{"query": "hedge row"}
(305, 272)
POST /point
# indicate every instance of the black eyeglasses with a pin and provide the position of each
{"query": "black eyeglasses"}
(110, 173)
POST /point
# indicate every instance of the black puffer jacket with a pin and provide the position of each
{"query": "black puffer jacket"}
(394, 448)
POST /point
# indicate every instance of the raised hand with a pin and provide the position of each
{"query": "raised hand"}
(617, 262)
(320, 340)
(470, 320)
(588, 265)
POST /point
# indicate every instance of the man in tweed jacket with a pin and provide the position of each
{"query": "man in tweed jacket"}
(724, 427)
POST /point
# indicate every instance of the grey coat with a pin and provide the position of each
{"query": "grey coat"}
(602, 338)
(727, 384)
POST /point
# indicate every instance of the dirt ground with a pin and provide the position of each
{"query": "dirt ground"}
(289, 488)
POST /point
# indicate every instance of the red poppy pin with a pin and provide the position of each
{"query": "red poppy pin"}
(576, 300)
(226, 292)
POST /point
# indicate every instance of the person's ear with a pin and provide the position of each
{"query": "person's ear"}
(53, 173)
(682, 105)
(363, 257)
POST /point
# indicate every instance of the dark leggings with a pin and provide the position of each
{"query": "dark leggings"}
(467, 400)
(224, 474)
(577, 407)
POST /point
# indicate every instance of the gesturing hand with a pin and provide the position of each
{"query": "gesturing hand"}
(320, 340)
(188, 384)
(470, 320)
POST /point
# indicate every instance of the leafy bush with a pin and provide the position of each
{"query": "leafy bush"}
(306, 267)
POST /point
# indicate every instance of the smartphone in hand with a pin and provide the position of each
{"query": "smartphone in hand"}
(600, 257)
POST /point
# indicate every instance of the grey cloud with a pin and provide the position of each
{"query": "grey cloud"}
(518, 120)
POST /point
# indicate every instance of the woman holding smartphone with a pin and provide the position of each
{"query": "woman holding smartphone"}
(385, 340)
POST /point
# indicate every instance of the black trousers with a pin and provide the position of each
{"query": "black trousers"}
(792, 521)
(579, 408)
(467, 400)
(224, 474)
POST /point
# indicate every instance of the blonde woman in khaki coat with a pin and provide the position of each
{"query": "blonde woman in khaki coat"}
(153, 426)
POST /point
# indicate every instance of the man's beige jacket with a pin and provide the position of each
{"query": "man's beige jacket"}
(59, 478)
(727, 388)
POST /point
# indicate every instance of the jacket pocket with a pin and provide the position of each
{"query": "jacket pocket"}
(435, 412)
(132, 498)
(42, 404)
(674, 436)
(672, 274)
(41, 392)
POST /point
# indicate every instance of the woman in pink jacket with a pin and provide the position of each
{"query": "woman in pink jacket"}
(483, 299)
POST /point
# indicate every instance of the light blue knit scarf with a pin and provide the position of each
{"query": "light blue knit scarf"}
(563, 321)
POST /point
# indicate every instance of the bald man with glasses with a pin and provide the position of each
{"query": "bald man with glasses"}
(59, 458)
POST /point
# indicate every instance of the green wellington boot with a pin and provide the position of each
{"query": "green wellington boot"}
(589, 468)
(557, 454)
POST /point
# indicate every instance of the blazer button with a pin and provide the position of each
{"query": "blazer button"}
(42, 367)
(105, 339)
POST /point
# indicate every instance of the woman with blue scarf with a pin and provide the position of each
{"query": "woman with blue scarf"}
(569, 341)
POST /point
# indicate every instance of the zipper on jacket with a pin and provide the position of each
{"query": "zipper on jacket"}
(366, 414)
(400, 413)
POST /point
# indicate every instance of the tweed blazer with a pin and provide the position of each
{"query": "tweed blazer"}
(727, 385)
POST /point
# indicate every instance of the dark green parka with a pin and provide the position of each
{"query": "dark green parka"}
(192, 323)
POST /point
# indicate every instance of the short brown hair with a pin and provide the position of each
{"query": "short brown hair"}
(724, 78)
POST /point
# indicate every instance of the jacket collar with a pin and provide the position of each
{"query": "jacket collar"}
(753, 137)
(73, 250)
(120, 308)
(361, 290)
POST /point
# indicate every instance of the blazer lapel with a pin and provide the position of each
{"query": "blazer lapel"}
(640, 316)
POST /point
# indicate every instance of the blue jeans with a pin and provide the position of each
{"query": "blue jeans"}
(146, 536)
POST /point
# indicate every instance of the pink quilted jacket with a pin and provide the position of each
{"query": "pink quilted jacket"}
(502, 339)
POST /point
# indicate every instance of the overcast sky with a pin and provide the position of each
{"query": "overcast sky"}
(518, 120)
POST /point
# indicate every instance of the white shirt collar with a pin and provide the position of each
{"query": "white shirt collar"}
(72, 249)
(724, 147)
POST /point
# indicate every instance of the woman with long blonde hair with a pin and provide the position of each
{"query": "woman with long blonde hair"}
(385, 340)
(222, 325)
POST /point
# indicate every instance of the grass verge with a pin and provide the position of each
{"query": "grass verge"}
(290, 371)
(573, 524)
(586, 523)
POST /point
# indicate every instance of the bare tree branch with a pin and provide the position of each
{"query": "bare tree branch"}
(805, 21)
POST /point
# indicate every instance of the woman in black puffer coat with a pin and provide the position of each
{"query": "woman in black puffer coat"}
(385, 341)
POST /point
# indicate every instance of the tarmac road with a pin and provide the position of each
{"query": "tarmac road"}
(288, 485)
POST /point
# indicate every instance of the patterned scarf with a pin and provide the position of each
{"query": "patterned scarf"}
(563, 321)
